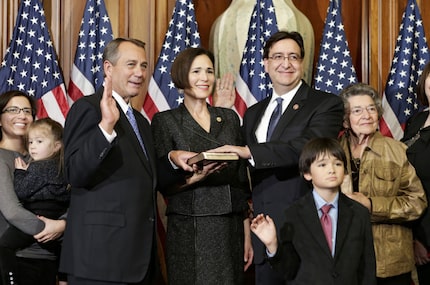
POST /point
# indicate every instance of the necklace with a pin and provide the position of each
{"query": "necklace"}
(413, 139)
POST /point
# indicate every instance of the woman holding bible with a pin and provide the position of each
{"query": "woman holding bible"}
(208, 238)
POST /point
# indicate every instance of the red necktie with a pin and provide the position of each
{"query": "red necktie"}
(326, 223)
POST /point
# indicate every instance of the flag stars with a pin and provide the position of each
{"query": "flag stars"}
(31, 33)
(95, 69)
(333, 60)
(36, 65)
(23, 73)
(171, 85)
(21, 86)
(262, 86)
(163, 69)
(180, 100)
(177, 49)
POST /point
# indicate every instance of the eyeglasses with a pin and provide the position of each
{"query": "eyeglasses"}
(16, 110)
(371, 109)
(278, 57)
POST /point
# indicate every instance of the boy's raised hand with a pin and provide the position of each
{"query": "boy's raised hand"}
(264, 228)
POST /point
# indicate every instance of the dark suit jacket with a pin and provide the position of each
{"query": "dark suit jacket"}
(419, 157)
(110, 233)
(275, 178)
(304, 256)
(220, 193)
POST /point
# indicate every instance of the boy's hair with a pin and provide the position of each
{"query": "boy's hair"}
(55, 129)
(317, 147)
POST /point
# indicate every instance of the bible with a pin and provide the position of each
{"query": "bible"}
(207, 157)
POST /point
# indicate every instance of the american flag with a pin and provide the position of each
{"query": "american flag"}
(182, 33)
(410, 55)
(30, 64)
(95, 33)
(334, 69)
(253, 84)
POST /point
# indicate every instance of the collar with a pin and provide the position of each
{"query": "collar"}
(124, 105)
(319, 201)
(286, 96)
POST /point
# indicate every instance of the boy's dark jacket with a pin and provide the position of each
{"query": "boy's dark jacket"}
(304, 257)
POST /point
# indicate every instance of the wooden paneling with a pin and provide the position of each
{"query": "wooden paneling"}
(371, 27)
(316, 11)
(206, 13)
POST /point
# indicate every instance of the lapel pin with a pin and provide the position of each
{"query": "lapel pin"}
(295, 106)
(218, 119)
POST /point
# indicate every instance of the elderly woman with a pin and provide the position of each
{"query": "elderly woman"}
(382, 179)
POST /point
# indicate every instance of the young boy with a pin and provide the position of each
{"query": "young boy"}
(316, 248)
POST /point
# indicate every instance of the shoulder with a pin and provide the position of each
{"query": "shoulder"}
(7, 159)
(414, 124)
(384, 143)
(306, 200)
(46, 164)
(6, 154)
(352, 205)
(84, 105)
(257, 107)
(93, 99)
(168, 115)
(321, 96)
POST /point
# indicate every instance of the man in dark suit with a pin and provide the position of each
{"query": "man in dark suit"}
(310, 249)
(304, 113)
(110, 232)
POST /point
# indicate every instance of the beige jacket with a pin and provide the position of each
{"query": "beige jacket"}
(397, 197)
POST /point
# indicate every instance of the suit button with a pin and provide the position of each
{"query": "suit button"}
(151, 219)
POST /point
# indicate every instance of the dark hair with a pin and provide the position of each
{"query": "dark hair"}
(7, 96)
(54, 128)
(182, 64)
(110, 52)
(357, 90)
(282, 35)
(420, 88)
(317, 147)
